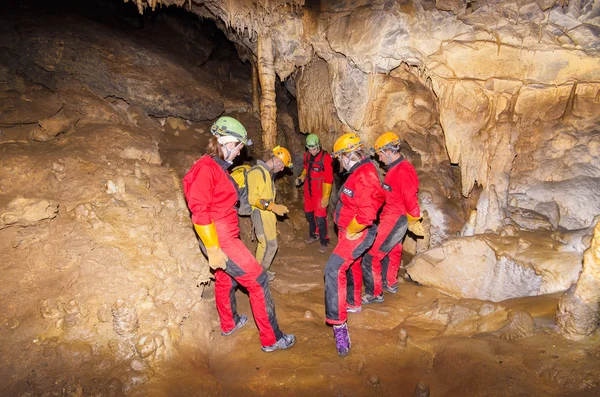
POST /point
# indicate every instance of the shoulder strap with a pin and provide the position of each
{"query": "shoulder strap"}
(320, 159)
(262, 171)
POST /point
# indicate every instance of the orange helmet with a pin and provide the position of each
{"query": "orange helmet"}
(284, 155)
(387, 139)
(347, 143)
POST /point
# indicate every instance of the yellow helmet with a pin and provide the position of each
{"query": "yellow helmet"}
(284, 155)
(385, 139)
(347, 143)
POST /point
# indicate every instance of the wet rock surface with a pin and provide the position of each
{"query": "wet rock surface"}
(512, 264)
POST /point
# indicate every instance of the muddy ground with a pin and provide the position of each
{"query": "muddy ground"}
(451, 359)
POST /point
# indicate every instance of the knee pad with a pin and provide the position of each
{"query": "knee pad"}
(333, 264)
(272, 245)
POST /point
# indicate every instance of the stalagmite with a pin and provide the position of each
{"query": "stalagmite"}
(579, 308)
(266, 75)
(255, 93)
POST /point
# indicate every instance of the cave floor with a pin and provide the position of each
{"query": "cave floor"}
(462, 356)
(457, 363)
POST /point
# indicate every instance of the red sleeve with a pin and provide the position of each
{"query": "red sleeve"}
(305, 162)
(199, 189)
(328, 165)
(369, 197)
(409, 186)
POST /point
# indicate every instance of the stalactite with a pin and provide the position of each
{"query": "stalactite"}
(140, 6)
(266, 75)
(255, 93)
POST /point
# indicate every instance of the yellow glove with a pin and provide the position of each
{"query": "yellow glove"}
(279, 209)
(217, 259)
(208, 234)
(415, 225)
(301, 178)
(326, 194)
(354, 230)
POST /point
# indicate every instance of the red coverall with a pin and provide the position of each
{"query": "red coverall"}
(360, 197)
(319, 170)
(212, 197)
(401, 185)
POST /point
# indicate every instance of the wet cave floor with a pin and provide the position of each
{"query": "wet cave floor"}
(381, 362)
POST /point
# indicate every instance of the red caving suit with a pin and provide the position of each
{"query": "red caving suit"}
(319, 170)
(212, 197)
(360, 197)
(401, 185)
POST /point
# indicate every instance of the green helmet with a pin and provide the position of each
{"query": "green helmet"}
(312, 141)
(228, 126)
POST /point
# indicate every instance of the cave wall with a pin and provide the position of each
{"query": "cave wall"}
(493, 78)
(100, 267)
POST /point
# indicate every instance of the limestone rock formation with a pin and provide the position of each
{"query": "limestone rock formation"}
(123, 66)
(505, 78)
(89, 216)
(497, 267)
(558, 177)
(497, 104)
(578, 313)
(520, 325)
(463, 317)
(27, 212)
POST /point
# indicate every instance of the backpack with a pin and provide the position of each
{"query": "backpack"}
(240, 176)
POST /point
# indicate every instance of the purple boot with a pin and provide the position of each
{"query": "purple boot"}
(342, 339)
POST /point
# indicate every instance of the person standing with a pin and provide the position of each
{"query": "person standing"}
(317, 177)
(261, 195)
(212, 197)
(359, 200)
(400, 212)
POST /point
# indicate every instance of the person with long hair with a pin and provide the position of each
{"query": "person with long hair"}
(211, 195)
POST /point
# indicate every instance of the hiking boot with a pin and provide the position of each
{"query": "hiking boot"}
(392, 290)
(311, 239)
(323, 249)
(368, 298)
(270, 275)
(285, 342)
(354, 309)
(240, 324)
(342, 339)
